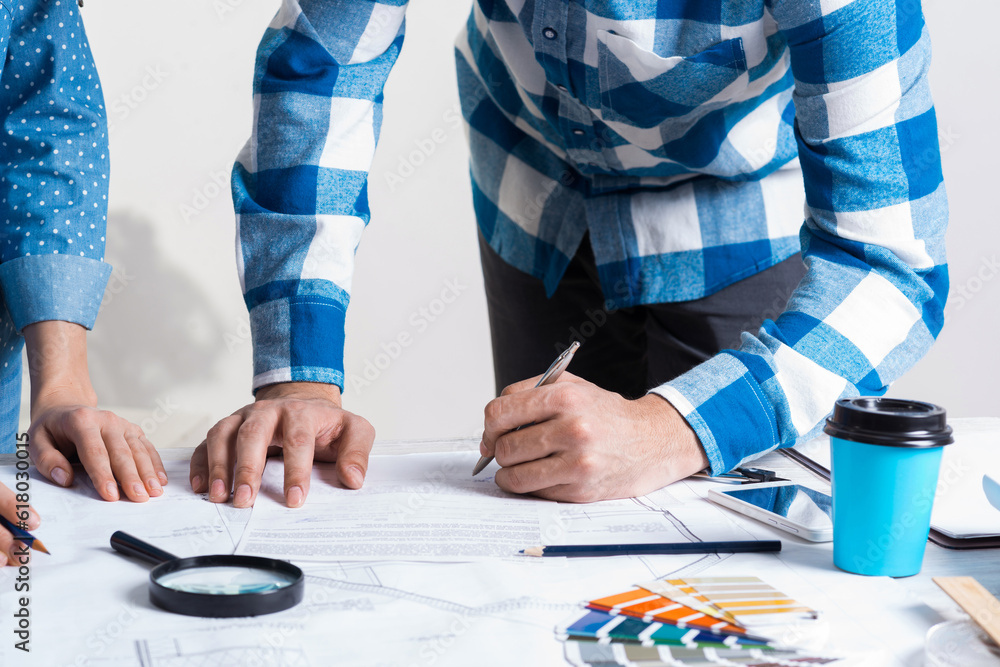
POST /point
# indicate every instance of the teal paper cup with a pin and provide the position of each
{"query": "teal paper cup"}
(885, 457)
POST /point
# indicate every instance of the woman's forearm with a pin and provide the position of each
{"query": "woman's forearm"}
(57, 364)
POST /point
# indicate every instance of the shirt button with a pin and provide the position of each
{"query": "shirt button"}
(549, 33)
(561, 87)
(578, 132)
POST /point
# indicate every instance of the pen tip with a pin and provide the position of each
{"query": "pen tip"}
(534, 551)
(38, 546)
(483, 462)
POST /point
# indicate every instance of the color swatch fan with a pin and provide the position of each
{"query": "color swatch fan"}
(652, 607)
(744, 601)
(593, 654)
(605, 627)
(695, 620)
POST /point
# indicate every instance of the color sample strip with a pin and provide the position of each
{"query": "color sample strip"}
(747, 600)
(687, 596)
(650, 607)
(606, 627)
(584, 653)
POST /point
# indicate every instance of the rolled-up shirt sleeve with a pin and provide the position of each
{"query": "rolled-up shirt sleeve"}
(300, 185)
(54, 182)
(872, 300)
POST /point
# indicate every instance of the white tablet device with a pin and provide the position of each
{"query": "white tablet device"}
(992, 489)
(793, 508)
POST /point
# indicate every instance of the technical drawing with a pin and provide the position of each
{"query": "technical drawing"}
(170, 653)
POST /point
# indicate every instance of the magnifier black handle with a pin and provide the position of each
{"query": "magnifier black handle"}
(132, 546)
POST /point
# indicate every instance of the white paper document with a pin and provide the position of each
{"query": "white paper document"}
(429, 507)
(418, 506)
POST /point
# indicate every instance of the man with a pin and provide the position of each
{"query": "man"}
(54, 191)
(640, 163)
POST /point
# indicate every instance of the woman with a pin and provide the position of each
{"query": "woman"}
(53, 212)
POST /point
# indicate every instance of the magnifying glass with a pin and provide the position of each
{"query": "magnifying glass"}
(215, 586)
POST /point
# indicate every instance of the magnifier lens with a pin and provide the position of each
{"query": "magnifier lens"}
(225, 580)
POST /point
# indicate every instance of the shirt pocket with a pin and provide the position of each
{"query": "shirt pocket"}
(643, 89)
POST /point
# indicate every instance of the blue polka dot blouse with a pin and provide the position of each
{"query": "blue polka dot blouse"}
(53, 181)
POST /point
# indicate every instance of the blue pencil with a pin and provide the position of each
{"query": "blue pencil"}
(738, 547)
(23, 536)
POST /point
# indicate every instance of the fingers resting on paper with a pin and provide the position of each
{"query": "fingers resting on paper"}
(113, 451)
(301, 421)
(14, 509)
(575, 442)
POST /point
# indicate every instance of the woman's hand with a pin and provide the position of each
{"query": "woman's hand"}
(66, 424)
(8, 509)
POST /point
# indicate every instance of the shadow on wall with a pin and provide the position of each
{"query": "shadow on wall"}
(155, 330)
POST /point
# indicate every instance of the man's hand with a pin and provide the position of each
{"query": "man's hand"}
(65, 424)
(301, 420)
(585, 444)
(8, 503)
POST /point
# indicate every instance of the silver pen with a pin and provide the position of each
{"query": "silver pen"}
(550, 376)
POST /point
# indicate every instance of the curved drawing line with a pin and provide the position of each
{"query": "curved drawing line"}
(678, 525)
(488, 609)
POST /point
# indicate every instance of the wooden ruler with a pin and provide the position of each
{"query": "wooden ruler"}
(976, 600)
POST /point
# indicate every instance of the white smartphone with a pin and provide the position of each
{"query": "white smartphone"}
(791, 507)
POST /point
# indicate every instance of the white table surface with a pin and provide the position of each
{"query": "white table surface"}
(184, 431)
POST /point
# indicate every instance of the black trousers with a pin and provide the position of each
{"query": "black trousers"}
(629, 350)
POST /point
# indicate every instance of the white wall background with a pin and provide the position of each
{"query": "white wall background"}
(173, 328)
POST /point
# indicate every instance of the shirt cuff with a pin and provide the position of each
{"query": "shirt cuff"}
(298, 339)
(728, 410)
(37, 288)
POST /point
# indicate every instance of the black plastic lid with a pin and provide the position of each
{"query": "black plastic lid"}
(893, 422)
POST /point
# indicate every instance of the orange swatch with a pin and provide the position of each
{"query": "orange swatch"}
(651, 607)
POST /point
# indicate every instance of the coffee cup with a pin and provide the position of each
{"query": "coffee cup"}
(885, 458)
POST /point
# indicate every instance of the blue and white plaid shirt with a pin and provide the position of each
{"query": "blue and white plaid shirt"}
(686, 136)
